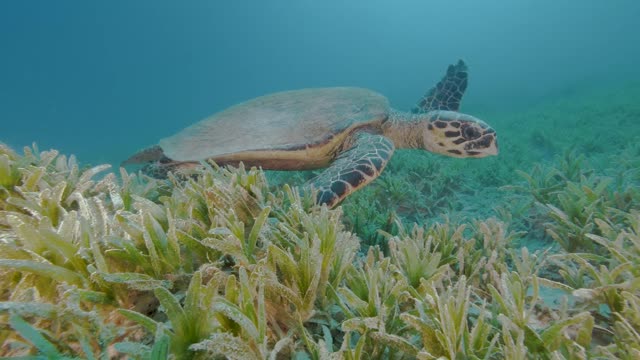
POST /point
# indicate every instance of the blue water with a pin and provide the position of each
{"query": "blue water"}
(104, 79)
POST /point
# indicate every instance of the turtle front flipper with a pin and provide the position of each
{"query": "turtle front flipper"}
(447, 93)
(353, 169)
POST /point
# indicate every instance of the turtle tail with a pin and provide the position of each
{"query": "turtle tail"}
(150, 154)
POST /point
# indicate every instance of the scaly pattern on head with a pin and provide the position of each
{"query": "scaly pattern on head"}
(459, 135)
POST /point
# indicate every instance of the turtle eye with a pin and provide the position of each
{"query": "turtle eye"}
(470, 133)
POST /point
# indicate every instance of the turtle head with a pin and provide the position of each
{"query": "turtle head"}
(459, 135)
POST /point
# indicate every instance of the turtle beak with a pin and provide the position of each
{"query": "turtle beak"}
(495, 147)
(487, 145)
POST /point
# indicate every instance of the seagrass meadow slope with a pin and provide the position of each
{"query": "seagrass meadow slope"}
(531, 255)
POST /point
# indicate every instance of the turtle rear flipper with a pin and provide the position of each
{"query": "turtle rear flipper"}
(353, 169)
(157, 164)
(160, 170)
(150, 154)
(447, 94)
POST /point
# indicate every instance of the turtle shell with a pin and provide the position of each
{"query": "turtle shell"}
(281, 122)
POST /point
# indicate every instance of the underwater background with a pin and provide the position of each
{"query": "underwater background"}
(558, 80)
(102, 80)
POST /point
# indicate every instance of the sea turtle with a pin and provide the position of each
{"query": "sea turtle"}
(353, 132)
